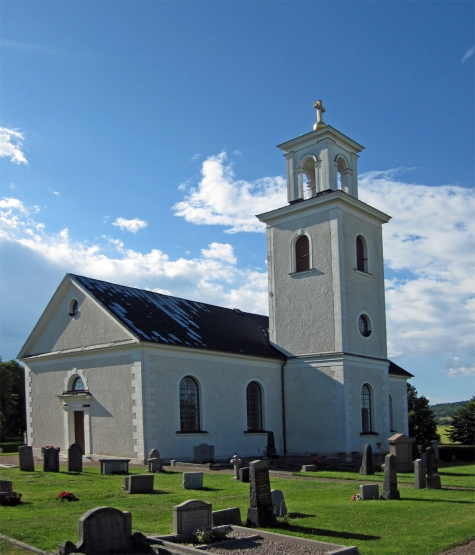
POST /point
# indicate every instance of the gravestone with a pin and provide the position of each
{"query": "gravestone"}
(401, 447)
(154, 462)
(309, 468)
(419, 474)
(244, 475)
(190, 516)
(75, 458)
(367, 463)
(236, 462)
(433, 478)
(261, 513)
(227, 516)
(435, 446)
(102, 530)
(50, 459)
(25, 458)
(192, 480)
(369, 491)
(203, 453)
(415, 449)
(390, 490)
(278, 503)
(114, 466)
(378, 454)
(425, 444)
(6, 486)
(270, 447)
(139, 483)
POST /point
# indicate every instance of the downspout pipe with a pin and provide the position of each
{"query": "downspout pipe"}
(284, 431)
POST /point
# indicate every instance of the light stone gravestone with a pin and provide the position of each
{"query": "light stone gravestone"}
(261, 513)
(227, 516)
(191, 516)
(154, 462)
(369, 491)
(390, 490)
(433, 478)
(114, 466)
(367, 463)
(278, 503)
(104, 530)
(419, 474)
(244, 475)
(50, 459)
(75, 458)
(139, 483)
(435, 446)
(400, 446)
(25, 458)
(236, 462)
(203, 453)
(192, 480)
(309, 468)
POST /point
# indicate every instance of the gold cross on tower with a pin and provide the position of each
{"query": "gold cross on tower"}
(320, 109)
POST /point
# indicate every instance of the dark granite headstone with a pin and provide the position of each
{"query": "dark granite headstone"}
(50, 459)
(390, 490)
(415, 450)
(244, 475)
(25, 458)
(261, 513)
(367, 464)
(75, 458)
(433, 478)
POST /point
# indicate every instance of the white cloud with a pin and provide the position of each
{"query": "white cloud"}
(468, 54)
(220, 199)
(11, 145)
(130, 225)
(220, 251)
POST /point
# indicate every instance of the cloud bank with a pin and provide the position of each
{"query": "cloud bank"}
(11, 145)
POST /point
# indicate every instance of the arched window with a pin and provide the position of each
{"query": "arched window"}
(366, 423)
(78, 384)
(189, 405)
(361, 256)
(254, 407)
(302, 254)
(391, 420)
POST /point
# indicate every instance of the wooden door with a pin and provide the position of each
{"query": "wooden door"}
(79, 429)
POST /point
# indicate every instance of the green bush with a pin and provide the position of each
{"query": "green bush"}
(464, 453)
(11, 446)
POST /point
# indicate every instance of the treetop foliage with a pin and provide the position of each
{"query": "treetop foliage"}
(12, 399)
(462, 428)
(422, 424)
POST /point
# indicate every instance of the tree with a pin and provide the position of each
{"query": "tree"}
(462, 427)
(12, 399)
(422, 424)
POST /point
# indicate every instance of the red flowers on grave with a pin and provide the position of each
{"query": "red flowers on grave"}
(68, 495)
(355, 497)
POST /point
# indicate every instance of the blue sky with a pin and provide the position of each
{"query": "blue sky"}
(138, 141)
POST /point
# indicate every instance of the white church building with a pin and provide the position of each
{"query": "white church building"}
(121, 370)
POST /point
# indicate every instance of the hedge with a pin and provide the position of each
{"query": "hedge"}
(464, 453)
(11, 446)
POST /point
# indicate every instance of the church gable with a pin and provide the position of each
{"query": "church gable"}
(73, 320)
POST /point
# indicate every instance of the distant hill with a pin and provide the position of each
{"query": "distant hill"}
(443, 412)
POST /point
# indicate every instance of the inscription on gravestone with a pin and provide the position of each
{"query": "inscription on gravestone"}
(191, 515)
(260, 513)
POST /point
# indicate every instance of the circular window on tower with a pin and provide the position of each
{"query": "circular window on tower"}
(364, 325)
(73, 307)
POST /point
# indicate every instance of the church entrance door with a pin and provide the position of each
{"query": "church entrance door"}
(79, 429)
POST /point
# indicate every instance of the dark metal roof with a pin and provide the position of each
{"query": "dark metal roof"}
(395, 370)
(163, 319)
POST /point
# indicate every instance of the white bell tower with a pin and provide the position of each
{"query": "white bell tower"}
(326, 295)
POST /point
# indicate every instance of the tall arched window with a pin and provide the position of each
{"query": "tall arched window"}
(302, 254)
(189, 405)
(361, 256)
(366, 423)
(254, 407)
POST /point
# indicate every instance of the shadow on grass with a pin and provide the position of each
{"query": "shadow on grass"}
(329, 533)
(438, 501)
(456, 473)
(299, 515)
(209, 489)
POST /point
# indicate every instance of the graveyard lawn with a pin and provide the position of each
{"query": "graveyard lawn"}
(459, 475)
(425, 522)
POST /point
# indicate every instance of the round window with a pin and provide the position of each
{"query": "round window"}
(73, 308)
(364, 325)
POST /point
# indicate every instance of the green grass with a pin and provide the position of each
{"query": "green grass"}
(444, 437)
(461, 475)
(423, 521)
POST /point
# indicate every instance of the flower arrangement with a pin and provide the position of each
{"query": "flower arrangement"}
(213, 534)
(10, 499)
(68, 495)
(355, 497)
